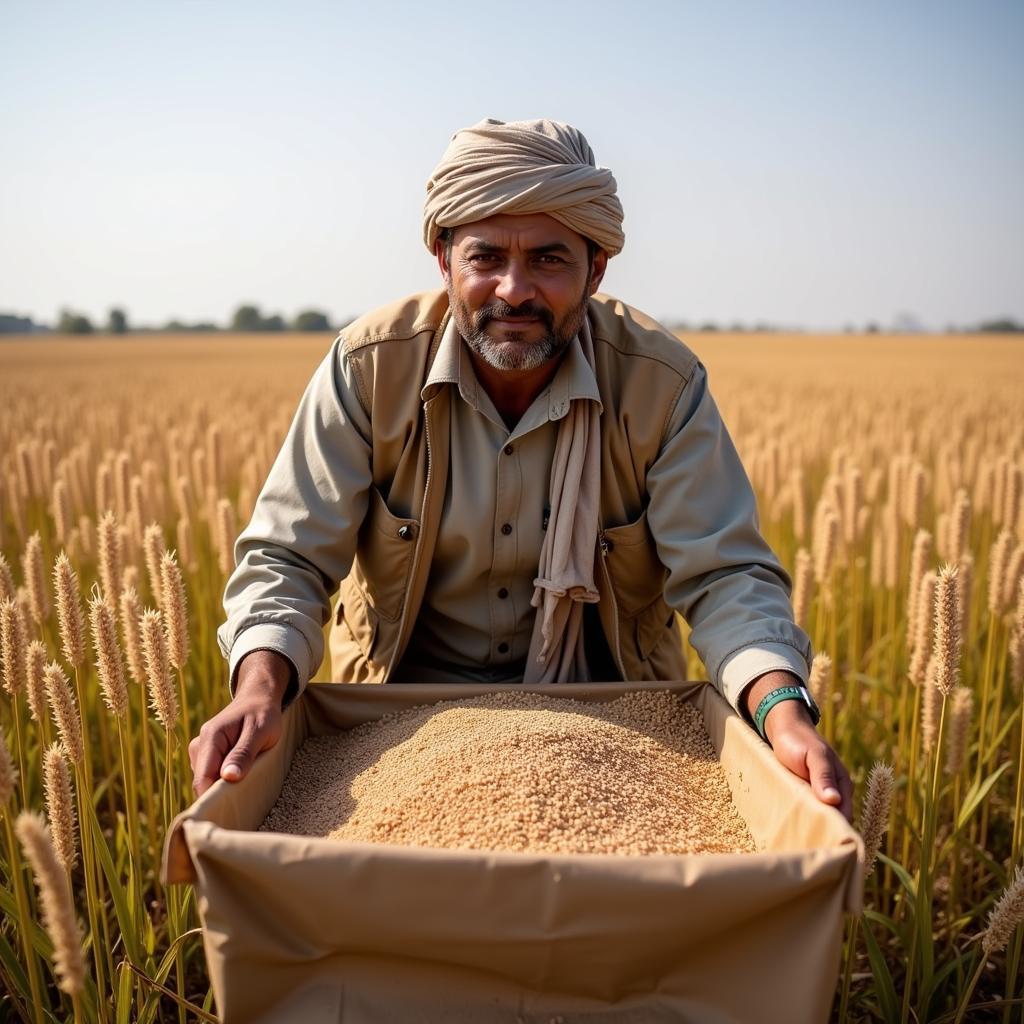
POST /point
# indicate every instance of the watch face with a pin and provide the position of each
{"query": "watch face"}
(815, 710)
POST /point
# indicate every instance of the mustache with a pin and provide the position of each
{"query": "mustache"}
(503, 311)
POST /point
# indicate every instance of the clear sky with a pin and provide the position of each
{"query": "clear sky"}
(811, 163)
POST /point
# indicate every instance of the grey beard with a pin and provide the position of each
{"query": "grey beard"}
(511, 354)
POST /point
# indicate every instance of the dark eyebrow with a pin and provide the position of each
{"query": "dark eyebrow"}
(479, 245)
(556, 247)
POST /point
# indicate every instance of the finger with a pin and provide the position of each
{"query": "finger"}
(210, 749)
(823, 775)
(242, 755)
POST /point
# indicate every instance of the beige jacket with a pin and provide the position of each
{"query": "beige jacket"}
(355, 495)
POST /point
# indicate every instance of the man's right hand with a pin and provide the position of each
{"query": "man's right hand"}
(229, 742)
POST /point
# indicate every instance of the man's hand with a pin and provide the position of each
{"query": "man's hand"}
(228, 743)
(798, 745)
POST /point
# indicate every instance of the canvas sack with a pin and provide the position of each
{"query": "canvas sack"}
(316, 930)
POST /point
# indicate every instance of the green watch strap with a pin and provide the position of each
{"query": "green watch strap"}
(776, 696)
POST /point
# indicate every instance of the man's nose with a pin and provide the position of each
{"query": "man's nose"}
(515, 285)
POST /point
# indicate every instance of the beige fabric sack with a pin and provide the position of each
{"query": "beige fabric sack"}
(314, 930)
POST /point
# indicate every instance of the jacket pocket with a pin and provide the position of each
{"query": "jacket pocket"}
(652, 627)
(384, 557)
(355, 617)
(637, 574)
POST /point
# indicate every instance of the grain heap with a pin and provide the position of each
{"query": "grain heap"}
(519, 772)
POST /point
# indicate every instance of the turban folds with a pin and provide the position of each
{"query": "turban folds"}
(521, 167)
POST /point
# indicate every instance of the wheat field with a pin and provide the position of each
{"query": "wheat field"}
(890, 481)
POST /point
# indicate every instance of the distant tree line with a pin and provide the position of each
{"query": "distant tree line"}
(902, 325)
(246, 318)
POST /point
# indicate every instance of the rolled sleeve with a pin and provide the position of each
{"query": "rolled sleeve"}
(301, 539)
(723, 577)
(280, 638)
(741, 668)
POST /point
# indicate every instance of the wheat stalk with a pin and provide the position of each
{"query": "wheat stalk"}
(109, 662)
(162, 697)
(8, 774)
(35, 579)
(69, 610)
(60, 805)
(110, 554)
(947, 630)
(175, 609)
(64, 711)
(35, 684)
(12, 647)
(874, 815)
(55, 898)
(7, 590)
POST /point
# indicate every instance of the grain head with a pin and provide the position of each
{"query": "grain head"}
(874, 815)
(60, 805)
(162, 696)
(55, 898)
(69, 610)
(109, 662)
(1005, 916)
(64, 710)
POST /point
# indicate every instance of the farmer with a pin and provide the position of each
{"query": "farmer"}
(511, 479)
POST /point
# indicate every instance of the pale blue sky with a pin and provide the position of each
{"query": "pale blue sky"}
(805, 163)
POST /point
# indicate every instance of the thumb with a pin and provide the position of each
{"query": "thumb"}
(823, 778)
(241, 756)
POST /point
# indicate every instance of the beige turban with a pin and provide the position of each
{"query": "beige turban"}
(521, 167)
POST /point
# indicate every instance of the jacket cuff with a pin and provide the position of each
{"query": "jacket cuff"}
(282, 639)
(749, 663)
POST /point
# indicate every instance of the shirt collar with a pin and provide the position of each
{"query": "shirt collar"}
(445, 368)
(573, 379)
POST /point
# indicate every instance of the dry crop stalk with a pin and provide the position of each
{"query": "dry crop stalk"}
(8, 782)
(57, 905)
(69, 610)
(874, 822)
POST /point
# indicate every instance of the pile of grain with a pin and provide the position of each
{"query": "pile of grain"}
(519, 772)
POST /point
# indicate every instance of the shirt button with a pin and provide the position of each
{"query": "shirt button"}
(503, 593)
(509, 449)
(506, 528)
(503, 647)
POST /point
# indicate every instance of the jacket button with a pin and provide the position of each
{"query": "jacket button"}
(503, 593)
(406, 532)
(506, 528)
(509, 449)
(503, 648)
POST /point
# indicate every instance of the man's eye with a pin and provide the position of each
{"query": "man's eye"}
(549, 258)
(483, 257)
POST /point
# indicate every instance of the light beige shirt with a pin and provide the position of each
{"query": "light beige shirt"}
(476, 618)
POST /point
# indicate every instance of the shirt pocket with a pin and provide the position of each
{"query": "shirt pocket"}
(384, 557)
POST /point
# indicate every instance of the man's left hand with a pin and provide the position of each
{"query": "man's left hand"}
(800, 747)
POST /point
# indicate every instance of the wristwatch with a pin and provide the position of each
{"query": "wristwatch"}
(779, 694)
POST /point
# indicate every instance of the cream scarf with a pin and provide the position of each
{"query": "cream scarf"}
(565, 576)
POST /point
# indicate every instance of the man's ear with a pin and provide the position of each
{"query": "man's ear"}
(597, 270)
(441, 252)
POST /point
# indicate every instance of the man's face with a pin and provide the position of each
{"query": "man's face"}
(518, 287)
